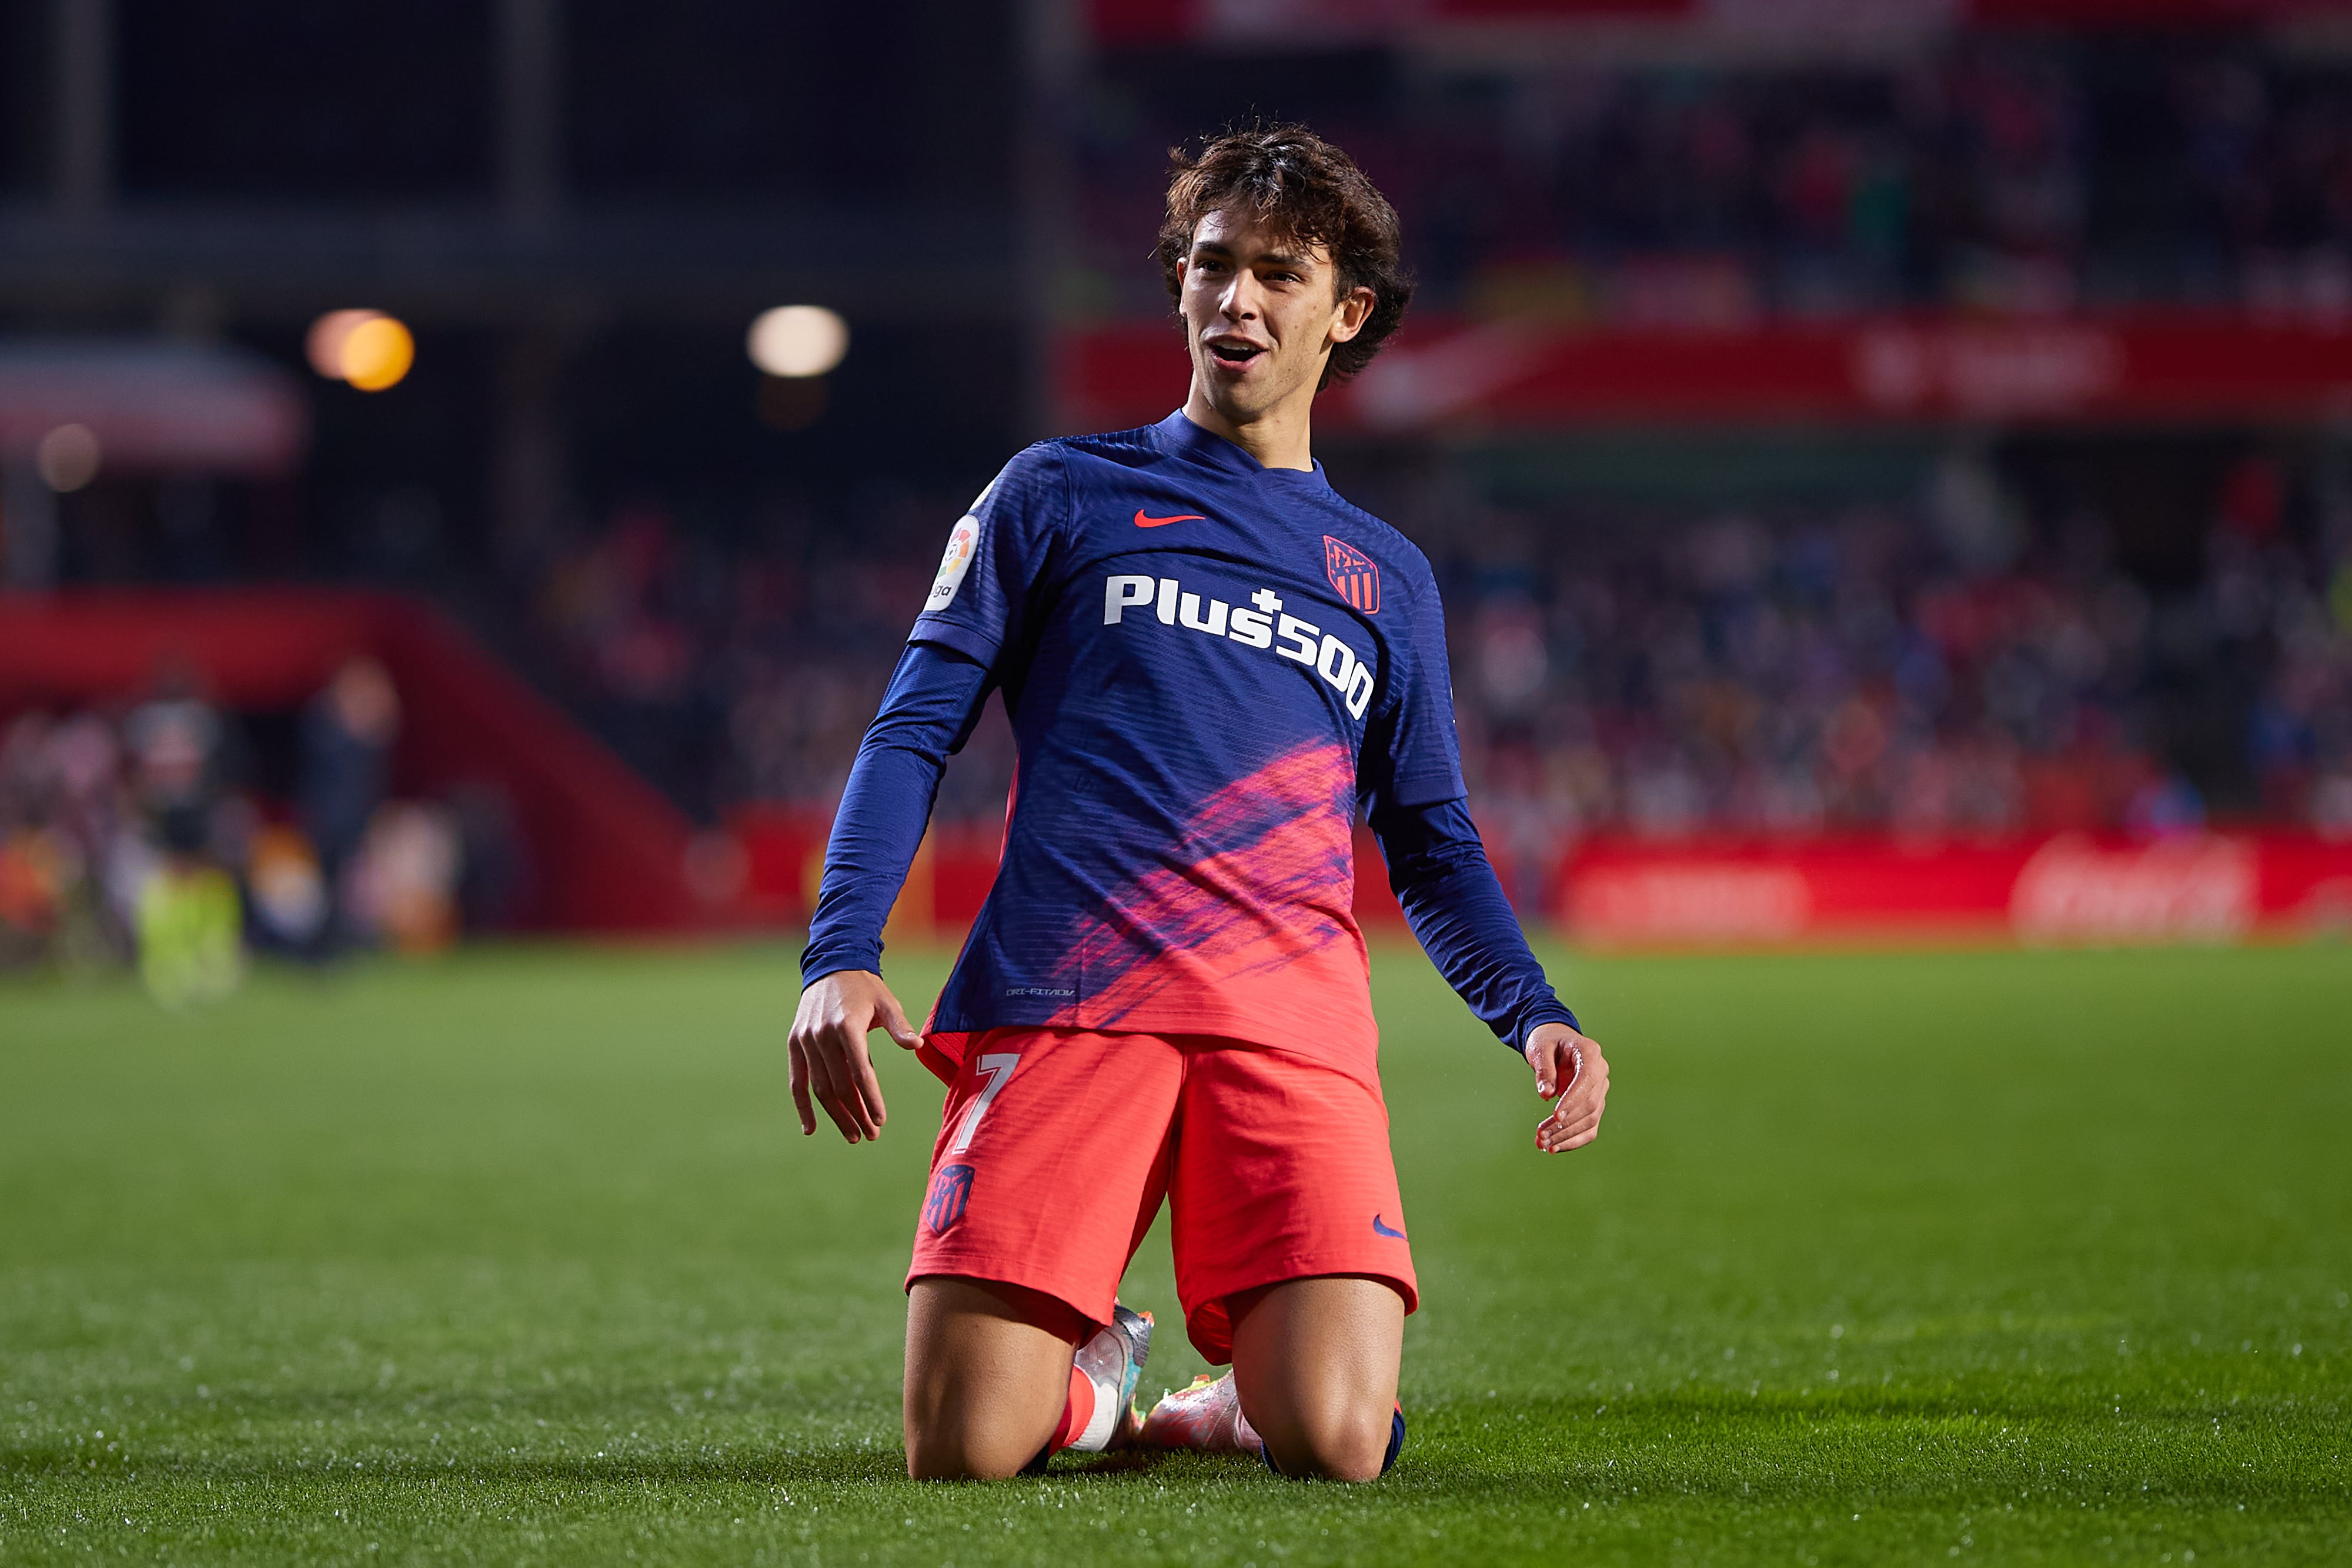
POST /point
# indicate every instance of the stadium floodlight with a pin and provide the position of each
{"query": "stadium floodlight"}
(368, 348)
(798, 341)
(66, 457)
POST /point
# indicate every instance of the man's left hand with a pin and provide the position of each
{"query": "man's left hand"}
(1570, 1066)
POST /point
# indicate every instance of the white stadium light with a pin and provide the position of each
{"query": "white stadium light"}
(797, 341)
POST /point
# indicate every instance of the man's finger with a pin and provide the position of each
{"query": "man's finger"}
(1553, 1139)
(1580, 1096)
(854, 1077)
(838, 1106)
(869, 1093)
(1568, 1126)
(894, 1020)
(832, 1088)
(1568, 1117)
(800, 1082)
(1574, 1122)
(1558, 1062)
(1567, 1066)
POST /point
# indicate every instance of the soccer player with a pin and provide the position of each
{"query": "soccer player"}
(1211, 662)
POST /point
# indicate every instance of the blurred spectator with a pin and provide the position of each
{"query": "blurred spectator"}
(176, 742)
(71, 852)
(347, 735)
(191, 943)
(403, 884)
(289, 893)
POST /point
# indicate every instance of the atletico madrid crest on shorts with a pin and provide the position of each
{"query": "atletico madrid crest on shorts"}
(950, 1190)
(1353, 573)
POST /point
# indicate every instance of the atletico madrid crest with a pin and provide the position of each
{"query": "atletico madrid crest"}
(1352, 573)
(950, 1190)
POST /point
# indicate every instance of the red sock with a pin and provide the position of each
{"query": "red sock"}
(1076, 1414)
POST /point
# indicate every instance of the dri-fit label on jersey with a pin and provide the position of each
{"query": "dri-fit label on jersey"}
(1209, 666)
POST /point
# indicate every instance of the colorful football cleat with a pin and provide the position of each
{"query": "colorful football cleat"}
(1207, 1417)
(1113, 1362)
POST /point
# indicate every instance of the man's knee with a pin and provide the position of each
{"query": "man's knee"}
(1316, 1363)
(946, 1449)
(986, 1380)
(1339, 1442)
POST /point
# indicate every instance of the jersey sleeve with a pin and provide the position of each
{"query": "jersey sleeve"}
(934, 700)
(1412, 757)
(1444, 881)
(1000, 555)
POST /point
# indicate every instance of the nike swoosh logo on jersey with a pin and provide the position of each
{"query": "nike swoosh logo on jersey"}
(1143, 522)
(1379, 1229)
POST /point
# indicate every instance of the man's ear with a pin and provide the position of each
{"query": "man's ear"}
(1354, 311)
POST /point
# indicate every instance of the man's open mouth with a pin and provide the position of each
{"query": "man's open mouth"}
(1235, 353)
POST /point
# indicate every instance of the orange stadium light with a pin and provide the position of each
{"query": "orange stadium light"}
(367, 348)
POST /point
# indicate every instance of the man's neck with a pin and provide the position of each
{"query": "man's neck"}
(1276, 438)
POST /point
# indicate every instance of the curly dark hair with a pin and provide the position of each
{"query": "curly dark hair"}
(1314, 195)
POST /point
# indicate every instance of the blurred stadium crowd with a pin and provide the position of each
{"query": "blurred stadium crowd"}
(1934, 671)
(2011, 174)
(1936, 668)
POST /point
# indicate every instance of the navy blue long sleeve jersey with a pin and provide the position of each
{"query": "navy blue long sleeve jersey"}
(1209, 666)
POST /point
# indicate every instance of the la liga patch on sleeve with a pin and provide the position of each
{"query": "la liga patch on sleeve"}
(964, 543)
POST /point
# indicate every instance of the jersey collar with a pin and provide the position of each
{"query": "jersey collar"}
(1180, 437)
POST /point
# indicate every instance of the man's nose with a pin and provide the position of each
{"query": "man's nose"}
(1241, 298)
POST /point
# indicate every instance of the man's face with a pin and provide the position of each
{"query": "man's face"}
(1261, 313)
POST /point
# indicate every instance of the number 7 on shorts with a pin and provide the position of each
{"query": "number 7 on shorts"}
(997, 1069)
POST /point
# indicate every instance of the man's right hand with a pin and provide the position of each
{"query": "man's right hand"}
(828, 1048)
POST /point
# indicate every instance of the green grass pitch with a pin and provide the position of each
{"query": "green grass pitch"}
(514, 1259)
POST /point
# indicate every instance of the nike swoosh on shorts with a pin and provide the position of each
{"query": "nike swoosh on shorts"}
(1379, 1229)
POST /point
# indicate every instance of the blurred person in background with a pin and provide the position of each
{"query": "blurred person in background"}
(77, 830)
(346, 758)
(31, 857)
(188, 917)
(176, 740)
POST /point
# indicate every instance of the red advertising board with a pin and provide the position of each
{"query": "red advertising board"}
(2048, 889)
(2062, 888)
(1504, 376)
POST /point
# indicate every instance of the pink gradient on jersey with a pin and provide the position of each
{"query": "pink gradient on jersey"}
(1254, 936)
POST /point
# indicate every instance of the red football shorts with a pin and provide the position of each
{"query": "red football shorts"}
(1057, 1147)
